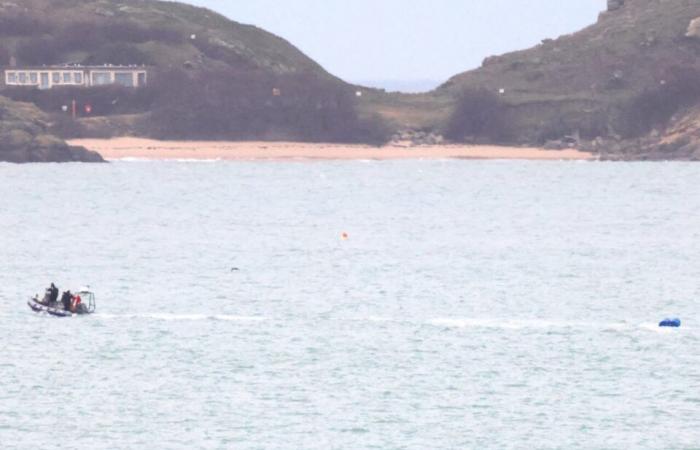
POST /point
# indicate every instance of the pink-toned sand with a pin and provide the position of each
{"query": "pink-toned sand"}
(127, 147)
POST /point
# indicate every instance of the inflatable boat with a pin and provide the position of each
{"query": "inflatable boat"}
(85, 307)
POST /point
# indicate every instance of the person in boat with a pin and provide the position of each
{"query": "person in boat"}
(66, 300)
(75, 304)
(54, 294)
(51, 295)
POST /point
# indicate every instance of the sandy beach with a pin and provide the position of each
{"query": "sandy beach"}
(122, 148)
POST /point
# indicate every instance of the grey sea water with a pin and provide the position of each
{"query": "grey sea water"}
(475, 305)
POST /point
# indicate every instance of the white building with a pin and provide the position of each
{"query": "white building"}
(53, 76)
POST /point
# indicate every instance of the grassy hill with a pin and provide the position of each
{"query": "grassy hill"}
(166, 34)
(621, 78)
(210, 77)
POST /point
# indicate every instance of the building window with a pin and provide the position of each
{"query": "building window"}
(101, 78)
(23, 78)
(67, 78)
(11, 77)
(55, 78)
(141, 79)
(124, 78)
(78, 77)
(33, 78)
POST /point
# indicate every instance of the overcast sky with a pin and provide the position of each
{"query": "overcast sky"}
(409, 40)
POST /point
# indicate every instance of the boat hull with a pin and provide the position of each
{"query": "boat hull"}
(38, 307)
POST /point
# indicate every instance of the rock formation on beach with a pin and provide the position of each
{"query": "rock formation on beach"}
(25, 137)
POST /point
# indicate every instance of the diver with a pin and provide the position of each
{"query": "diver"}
(51, 295)
(54, 294)
(66, 300)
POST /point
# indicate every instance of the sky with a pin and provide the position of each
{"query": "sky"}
(409, 44)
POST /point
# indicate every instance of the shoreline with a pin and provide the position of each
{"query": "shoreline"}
(138, 148)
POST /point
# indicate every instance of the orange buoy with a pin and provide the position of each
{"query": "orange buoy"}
(344, 236)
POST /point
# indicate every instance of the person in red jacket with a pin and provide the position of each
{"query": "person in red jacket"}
(74, 304)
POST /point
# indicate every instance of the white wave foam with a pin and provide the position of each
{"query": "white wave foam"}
(379, 319)
(173, 317)
(520, 324)
(192, 160)
(496, 323)
(229, 318)
(549, 324)
(184, 317)
(130, 159)
(654, 327)
(178, 160)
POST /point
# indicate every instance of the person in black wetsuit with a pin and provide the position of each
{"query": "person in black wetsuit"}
(54, 294)
(50, 296)
(66, 299)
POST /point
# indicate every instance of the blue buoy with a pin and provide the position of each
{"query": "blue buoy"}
(670, 323)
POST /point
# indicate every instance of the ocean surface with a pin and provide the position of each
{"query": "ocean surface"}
(474, 305)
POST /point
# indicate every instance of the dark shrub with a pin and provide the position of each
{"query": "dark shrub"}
(553, 130)
(39, 51)
(221, 53)
(4, 56)
(91, 35)
(22, 25)
(108, 43)
(118, 54)
(63, 126)
(137, 34)
(243, 105)
(104, 100)
(479, 114)
(81, 36)
(655, 106)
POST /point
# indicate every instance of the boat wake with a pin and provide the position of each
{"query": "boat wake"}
(184, 317)
(446, 323)
(546, 325)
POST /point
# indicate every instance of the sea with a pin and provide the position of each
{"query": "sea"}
(352, 305)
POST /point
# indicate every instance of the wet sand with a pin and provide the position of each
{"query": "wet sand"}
(137, 148)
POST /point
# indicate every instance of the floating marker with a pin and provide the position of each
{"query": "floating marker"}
(670, 323)
(344, 236)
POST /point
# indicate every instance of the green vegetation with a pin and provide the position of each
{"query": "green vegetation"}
(212, 78)
(622, 77)
(630, 75)
(479, 115)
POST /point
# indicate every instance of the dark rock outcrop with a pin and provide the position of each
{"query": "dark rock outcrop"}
(24, 137)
